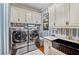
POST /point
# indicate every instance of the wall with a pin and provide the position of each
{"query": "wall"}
(2, 28)
(0, 31)
(4, 40)
(69, 33)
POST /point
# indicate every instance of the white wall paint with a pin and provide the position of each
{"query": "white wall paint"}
(0, 31)
(4, 40)
(6, 28)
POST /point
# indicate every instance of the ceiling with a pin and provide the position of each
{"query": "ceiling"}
(36, 6)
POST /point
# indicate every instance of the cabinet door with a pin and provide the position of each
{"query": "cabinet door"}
(17, 15)
(51, 11)
(47, 45)
(74, 14)
(29, 17)
(14, 14)
(34, 17)
(66, 13)
(39, 21)
(60, 15)
(21, 15)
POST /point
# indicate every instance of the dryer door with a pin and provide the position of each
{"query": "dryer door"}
(16, 36)
(19, 36)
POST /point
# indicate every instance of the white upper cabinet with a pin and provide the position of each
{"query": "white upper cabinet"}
(36, 18)
(14, 14)
(66, 14)
(28, 17)
(17, 15)
(60, 15)
(51, 11)
(21, 15)
(74, 14)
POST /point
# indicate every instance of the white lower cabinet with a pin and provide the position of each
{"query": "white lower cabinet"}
(49, 50)
(47, 45)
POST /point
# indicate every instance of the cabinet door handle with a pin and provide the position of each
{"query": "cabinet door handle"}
(49, 47)
(18, 19)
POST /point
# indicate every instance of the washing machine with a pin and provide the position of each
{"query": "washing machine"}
(18, 35)
(34, 35)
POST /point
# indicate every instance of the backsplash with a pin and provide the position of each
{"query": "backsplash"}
(70, 33)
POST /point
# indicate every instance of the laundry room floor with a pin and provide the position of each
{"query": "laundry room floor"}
(37, 50)
(40, 48)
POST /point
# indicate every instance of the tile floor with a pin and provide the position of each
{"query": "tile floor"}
(36, 52)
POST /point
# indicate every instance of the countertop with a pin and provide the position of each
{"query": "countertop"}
(51, 38)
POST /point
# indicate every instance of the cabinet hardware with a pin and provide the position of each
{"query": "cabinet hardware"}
(18, 19)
